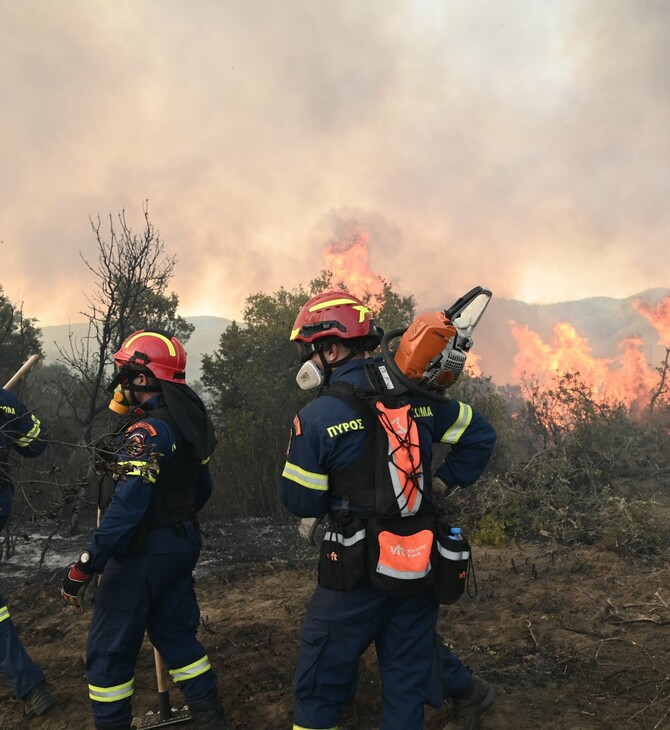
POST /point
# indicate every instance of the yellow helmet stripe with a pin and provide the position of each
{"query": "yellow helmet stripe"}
(166, 340)
(331, 303)
(362, 311)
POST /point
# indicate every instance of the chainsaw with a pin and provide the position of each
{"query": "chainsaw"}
(432, 351)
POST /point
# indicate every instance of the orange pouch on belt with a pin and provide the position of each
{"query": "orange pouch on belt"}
(399, 554)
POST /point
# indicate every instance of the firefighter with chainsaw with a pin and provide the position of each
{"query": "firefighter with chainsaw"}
(375, 569)
(147, 542)
(21, 432)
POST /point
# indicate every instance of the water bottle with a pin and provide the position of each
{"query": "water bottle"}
(457, 537)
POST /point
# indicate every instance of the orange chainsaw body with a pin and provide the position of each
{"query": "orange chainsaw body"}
(424, 339)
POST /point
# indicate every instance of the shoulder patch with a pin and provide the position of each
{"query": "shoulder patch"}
(151, 430)
(296, 430)
(136, 436)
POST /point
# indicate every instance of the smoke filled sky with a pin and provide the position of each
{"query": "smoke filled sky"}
(521, 145)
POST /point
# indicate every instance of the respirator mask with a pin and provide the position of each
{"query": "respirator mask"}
(119, 403)
(310, 376)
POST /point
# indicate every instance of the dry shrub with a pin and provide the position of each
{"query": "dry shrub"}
(595, 477)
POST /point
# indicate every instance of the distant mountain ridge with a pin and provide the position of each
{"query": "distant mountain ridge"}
(203, 341)
(603, 321)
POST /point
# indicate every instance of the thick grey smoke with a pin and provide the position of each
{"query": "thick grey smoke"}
(521, 145)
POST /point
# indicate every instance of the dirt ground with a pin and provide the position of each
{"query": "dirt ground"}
(572, 638)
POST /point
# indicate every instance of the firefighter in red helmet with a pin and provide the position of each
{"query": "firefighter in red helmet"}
(331, 472)
(147, 542)
(326, 319)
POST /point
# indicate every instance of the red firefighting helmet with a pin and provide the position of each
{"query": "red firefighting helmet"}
(159, 352)
(336, 314)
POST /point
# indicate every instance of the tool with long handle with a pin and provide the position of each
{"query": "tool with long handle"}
(164, 704)
(165, 715)
(21, 372)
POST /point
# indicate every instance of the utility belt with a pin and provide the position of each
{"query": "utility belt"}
(398, 555)
(171, 519)
(174, 519)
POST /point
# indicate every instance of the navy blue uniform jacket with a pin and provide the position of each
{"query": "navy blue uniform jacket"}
(327, 435)
(21, 432)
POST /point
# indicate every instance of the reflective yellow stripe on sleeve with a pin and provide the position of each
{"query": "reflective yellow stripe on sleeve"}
(31, 435)
(4, 613)
(205, 461)
(457, 428)
(300, 727)
(309, 479)
(191, 670)
(139, 469)
(111, 694)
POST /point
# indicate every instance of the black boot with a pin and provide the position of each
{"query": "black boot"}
(470, 705)
(39, 700)
(208, 715)
(114, 727)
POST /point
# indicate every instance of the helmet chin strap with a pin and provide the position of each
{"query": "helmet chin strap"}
(329, 367)
(310, 375)
(124, 379)
(132, 390)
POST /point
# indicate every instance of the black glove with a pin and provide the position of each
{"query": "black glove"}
(76, 582)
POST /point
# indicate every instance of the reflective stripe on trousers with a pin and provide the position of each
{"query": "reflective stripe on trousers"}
(190, 671)
(111, 694)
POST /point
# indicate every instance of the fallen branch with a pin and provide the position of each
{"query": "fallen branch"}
(532, 635)
(613, 613)
(651, 704)
(641, 619)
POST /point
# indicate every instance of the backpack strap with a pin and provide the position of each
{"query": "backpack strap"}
(355, 485)
(389, 477)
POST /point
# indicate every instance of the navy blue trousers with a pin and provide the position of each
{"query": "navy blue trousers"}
(338, 628)
(455, 675)
(153, 592)
(19, 669)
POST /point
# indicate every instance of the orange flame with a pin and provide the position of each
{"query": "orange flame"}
(626, 378)
(473, 365)
(349, 262)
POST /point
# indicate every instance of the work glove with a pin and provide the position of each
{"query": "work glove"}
(440, 488)
(307, 528)
(75, 584)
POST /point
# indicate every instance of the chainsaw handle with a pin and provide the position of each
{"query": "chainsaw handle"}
(462, 302)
